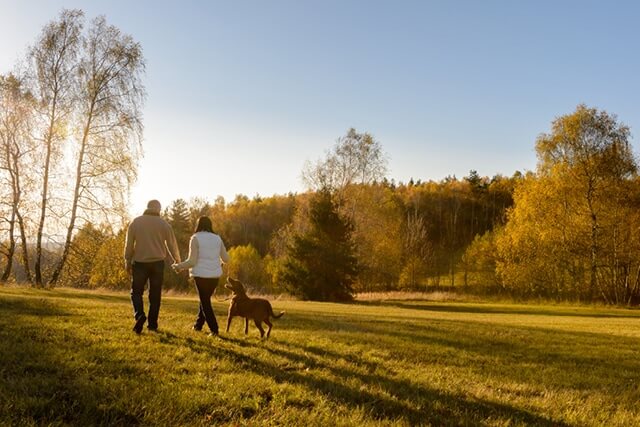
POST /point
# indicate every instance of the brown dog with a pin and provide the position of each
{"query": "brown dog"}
(258, 309)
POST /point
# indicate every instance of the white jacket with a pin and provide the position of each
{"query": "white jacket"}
(206, 251)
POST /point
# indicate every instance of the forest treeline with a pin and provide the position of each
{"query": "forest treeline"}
(70, 128)
(403, 236)
(568, 230)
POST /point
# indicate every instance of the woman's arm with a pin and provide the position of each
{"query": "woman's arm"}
(193, 255)
(224, 256)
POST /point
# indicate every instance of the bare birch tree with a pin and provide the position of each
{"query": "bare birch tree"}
(108, 127)
(357, 158)
(54, 62)
(16, 115)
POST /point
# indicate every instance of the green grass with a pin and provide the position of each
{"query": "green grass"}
(69, 358)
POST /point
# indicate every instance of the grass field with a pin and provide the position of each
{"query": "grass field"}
(69, 358)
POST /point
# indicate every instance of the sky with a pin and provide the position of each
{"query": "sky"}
(242, 93)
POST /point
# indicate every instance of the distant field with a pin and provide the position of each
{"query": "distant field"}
(69, 358)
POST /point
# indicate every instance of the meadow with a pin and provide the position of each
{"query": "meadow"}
(69, 357)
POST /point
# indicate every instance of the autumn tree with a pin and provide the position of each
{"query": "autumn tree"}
(417, 249)
(570, 231)
(253, 221)
(198, 207)
(480, 259)
(247, 265)
(107, 269)
(377, 216)
(78, 269)
(351, 171)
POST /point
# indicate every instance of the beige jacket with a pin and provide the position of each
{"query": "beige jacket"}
(148, 238)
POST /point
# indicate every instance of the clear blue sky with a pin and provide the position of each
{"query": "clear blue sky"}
(241, 93)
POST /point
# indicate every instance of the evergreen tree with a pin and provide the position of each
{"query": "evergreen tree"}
(321, 264)
(178, 216)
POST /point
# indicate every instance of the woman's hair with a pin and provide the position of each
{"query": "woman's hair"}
(204, 224)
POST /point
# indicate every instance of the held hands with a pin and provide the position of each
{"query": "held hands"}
(176, 268)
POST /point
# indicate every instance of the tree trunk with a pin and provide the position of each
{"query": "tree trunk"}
(16, 188)
(12, 222)
(45, 191)
(11, 249)
(25, 249)
(76, 196)
(593, 249)
(593, 278)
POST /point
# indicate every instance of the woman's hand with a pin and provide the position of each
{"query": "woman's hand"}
(176, 268)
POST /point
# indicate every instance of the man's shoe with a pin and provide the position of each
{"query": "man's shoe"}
(213, 334)
(196, 328)
(137, 327)
(152, 329)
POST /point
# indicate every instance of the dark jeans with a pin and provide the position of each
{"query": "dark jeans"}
(143, 272)
(205, 287)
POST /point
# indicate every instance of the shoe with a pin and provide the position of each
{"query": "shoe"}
(137, 327)
(150, 329)
(213, 334)
(196, 328)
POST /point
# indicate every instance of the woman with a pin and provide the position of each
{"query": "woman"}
(206, 252)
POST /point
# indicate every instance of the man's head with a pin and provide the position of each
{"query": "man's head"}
(154, 206)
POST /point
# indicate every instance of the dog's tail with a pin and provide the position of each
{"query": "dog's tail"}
(276, 316)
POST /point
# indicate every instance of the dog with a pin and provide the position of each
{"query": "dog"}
(258, 309)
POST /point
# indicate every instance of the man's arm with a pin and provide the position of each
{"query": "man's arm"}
(128, 247)
(172, 245)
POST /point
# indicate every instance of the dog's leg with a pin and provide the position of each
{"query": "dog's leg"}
(259, 326)
(269, 324)
(229, 317)
(246, 325)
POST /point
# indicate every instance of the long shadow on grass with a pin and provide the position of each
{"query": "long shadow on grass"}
(575, 360)
(435, 405)
(65, 293)
(490, 309)
(38, 383)
(94, 296)
(397, 400)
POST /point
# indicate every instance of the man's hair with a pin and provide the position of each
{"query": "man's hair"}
(154, 205)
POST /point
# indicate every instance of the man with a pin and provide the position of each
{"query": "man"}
(148, 238)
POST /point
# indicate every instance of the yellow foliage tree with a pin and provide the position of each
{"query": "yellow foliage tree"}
(108, 267)
(247, 265)
(570, 231)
